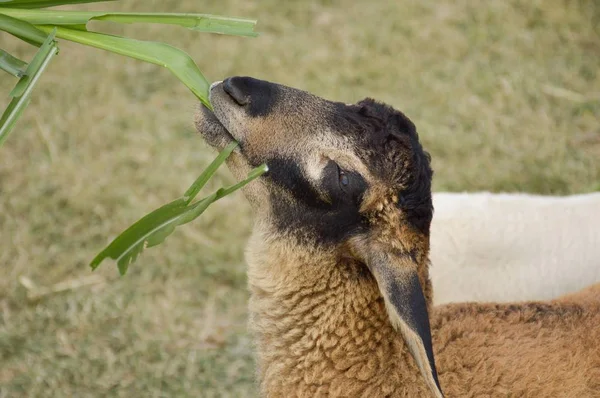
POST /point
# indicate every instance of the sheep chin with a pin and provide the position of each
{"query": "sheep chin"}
(213, 131)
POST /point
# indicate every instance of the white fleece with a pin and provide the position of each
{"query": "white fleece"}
(511, 247)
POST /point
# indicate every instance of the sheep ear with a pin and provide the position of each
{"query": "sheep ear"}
(399, 284)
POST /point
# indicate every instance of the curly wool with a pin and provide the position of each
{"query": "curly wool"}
(322, 330)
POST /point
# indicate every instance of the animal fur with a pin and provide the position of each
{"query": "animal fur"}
(513, 247)
(338, 264)
(324, 333)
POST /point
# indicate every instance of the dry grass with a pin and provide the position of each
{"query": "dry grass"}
(506, 96)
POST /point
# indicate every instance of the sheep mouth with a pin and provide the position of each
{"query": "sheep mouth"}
(212, 130)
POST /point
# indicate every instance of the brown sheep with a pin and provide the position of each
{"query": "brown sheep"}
(338, 264)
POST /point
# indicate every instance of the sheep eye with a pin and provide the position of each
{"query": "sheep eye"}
(343, 177)
(343, 186)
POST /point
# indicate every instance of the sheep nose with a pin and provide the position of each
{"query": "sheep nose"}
(238, 89)
(257, 97)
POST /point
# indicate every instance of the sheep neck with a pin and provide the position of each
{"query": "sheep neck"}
(321, 326)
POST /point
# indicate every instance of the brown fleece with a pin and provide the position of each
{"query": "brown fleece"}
(518, 350)
(322, 330)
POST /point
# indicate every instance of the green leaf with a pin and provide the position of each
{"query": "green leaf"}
(126, 247)
(44, 3)
(177, 61)
(34, 65)
(193, 190)
(25, 86)
(198, 22)
(155, 227)
(11, 114)
(22, 29)
(11, 64)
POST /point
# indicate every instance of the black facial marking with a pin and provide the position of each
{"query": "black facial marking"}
(350, 193)
(407, 297)
(258, 97)
(286, 174)
(323, 218)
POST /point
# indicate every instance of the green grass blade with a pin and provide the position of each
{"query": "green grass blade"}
(155, 227)
(9, 118)
(34, 71)
(44, 3)
(177, 61)
(11, 64)
(193, 190)
(197, 208)
(130, 243)
(254, 173)
(34, 65)
(198, 22)
(22, 29)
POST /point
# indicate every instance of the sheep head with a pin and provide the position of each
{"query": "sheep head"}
(349, 177)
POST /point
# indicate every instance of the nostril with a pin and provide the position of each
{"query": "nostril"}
(235, 92)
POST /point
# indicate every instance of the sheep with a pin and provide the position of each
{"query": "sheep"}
(513, 247)
(338, 270)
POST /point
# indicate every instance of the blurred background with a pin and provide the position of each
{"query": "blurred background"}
(505, 95)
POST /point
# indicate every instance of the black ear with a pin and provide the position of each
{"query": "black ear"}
(415, 199)
(401, 127)
(398, 282)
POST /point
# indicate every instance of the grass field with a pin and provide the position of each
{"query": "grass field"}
(505, 94)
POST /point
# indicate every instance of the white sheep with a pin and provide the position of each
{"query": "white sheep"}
(511, 247)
